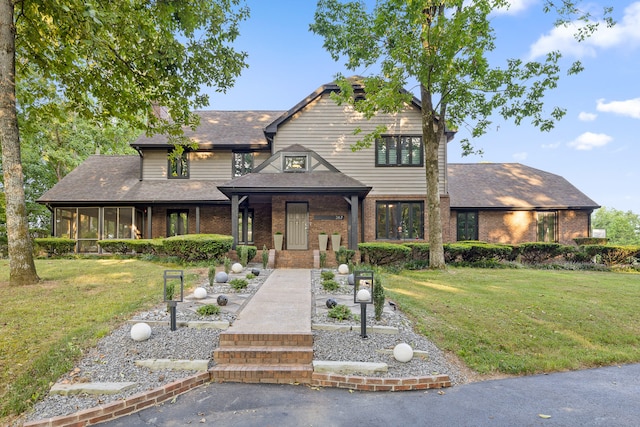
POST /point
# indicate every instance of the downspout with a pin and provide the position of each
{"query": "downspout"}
(141, 164)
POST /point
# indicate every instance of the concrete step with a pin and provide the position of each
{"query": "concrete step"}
(263, 373)
(263, 355)
(241, 339)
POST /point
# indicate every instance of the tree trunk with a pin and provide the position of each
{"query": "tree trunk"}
(22, 270)
(431, 145)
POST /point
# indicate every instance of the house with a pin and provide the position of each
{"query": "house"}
(258, 173)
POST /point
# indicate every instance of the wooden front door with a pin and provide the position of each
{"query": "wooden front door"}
(297, 226)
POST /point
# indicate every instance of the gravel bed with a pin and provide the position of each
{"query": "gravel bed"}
(114, 357)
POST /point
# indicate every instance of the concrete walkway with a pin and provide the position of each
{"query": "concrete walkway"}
(281, 305)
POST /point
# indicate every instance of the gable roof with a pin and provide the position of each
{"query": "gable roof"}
(511, 186)
(221, 129)
(116, 179)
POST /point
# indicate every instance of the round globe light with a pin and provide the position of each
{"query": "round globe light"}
(140, 332)
(331, 303)
(351, 279)
(343, 269)
(222, 300)
(221, 277)
(403, 352)
(236, 267)
(363, 295)
(200, 293)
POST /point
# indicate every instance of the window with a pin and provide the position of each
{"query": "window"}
(118, 223)
(399, 220)
(296, 163)
(178, 165)
(88, 229)
(242, 164)
(245, 226)
(399, 151)
(467, 226)
(547, 227)
(177, 223)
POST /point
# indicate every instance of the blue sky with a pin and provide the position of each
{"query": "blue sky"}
(595, 146)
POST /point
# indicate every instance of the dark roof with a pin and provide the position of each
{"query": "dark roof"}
(115, 179)
(511, 186)
(222, 129)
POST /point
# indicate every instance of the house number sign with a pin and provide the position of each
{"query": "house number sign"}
(328, 217)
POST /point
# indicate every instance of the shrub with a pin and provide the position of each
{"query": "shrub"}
(384, 253)
(344, 255)
(145, 246)
(581, 241)
(538, 252)
(250, 276)
(330, 285)
(55, 245)
(226, 262)
(340, 312)
(323, 259)
(327, 275)
(378, 296)
(243, 255)
(212, 274)
(475, 251)
(265, 256)
(613, 255)
(419, 250)
(197, 247)
(116, 246)
(208, 310)
(239, 283)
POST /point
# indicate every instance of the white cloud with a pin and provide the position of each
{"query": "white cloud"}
(588, 141)
(587, 117)
(516, 6)
(520, 157)
(551, 146)
(626, 33)
(630, 107)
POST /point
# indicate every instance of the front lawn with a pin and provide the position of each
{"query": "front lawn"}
(524, 321)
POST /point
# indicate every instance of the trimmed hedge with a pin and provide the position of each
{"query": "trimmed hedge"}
(419, 250)
(538, 252)
(197, 247)
(475, 251)
(138, 246)
(384, 253)
(613, 255)
(582, 241)
(54, 245)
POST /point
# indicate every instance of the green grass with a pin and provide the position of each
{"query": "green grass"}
(525, 321)
(46, 326)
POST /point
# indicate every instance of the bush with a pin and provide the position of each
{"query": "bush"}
(613, 255)
(384, 253)
(55, 245)
(208, 310)
(265, 257)
(344, 255)
(476, 252)
(378, 296)
(330, 285)
(538, 252)
(419, 250)
(115, 246)
(327, 275)
(581, 241)
(197, 247)
(246, 254)
(238, 283)
(340, 312)
(212, 274)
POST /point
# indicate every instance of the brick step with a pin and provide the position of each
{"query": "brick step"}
(263, 355)
(294, 259)
(259, 373)
(235, 339)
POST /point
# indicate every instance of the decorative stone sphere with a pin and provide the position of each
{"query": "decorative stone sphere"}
(236, 267)
(351, 279)
(222, 300)
(403, 352)
(331, 303)
(221, 277)
(255, 272)
(363, 295)
(140, 332)
(343, 269)
(200, 293)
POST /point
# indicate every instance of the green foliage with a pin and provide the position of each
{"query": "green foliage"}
(55, 245)
(474, 251)
(238, 283)
(340, 312)
(613, 254)
(623, 228)
(344, 255)
(115, 246)
(243, 255)
(226, 262)
(323, 259)
(212, 274)
(581, 241)
(384, 253)
(419, 251)
(327, 274)
(250, 276)
(330, 285)
(538, 252)
(197, 247)
(208, 310)
(265, 257)
(378, 295)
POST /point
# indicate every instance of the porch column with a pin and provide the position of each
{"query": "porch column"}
(353, 237)
(197, 219)
(234, 219)
(149, 236)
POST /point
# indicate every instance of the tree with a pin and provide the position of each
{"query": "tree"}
(623, 228)
(106, 59)
(444, 46)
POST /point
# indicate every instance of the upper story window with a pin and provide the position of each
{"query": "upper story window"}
(242, 164)
(178, 165)
(399, 151)
(295, 163)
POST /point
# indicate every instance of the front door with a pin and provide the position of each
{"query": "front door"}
(297, 226)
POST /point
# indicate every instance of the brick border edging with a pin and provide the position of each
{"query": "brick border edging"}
(379, 383)
(140, 401)
(126, 406)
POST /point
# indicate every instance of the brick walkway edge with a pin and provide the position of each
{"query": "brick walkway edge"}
(143, 400)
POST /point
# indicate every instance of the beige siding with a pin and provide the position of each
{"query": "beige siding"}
(328, 129)
(210, 166)
(154, 165)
